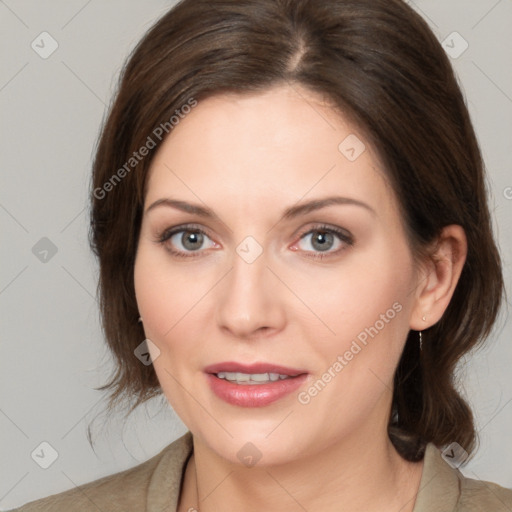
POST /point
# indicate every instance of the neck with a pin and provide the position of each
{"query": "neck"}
(364, 474)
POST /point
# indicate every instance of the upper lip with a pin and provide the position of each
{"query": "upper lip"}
(232, 366)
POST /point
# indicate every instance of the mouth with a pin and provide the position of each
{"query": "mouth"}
(254, 385)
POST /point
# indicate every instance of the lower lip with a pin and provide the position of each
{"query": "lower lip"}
(254, 395)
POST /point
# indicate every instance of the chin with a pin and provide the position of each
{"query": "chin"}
(253, 446)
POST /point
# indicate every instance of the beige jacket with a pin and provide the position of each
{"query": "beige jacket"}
(154, 486)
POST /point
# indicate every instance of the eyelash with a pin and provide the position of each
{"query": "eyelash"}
(342, 235)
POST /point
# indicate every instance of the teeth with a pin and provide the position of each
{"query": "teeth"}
(251, 378)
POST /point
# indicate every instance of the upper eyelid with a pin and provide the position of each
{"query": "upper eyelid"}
(319, 226)
(184, 227)
(323, 226)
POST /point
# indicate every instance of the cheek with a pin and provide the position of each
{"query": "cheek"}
(367, 306)
(159, 292)
(165, 303)
(173, 300)
(364, 287)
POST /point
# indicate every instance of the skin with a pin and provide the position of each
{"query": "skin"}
(248, 158)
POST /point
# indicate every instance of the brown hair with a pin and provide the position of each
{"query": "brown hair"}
(377, 62)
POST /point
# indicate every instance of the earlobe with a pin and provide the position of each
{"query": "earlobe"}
(437, 283)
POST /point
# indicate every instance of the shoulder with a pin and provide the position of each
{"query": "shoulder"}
(482, 496)
(127, 490)
(444, 488)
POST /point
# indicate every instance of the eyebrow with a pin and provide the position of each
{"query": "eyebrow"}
(289, 213)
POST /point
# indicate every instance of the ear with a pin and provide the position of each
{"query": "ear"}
(438, 278)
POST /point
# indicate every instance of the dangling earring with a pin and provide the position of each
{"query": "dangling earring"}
(424, 318)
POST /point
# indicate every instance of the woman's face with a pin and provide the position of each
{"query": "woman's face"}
(312, 306)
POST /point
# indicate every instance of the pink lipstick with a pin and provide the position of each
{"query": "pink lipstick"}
(253, 385)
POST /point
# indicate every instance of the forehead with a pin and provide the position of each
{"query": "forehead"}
(283, 144)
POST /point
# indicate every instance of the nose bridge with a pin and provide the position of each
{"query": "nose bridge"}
(249, 300)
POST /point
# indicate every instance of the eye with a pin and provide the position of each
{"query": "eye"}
(190, 241)
(326, 241)
(185, 241)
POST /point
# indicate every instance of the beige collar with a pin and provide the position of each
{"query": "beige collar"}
(439, 485)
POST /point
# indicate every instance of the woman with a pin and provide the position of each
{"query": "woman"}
(288, 207)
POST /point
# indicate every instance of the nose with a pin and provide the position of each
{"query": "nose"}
(250, 300)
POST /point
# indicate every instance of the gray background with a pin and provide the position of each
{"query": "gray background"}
(52, 349)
